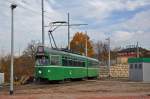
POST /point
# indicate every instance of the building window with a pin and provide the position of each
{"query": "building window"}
(131, 66)
(140, 66)
(135, 66)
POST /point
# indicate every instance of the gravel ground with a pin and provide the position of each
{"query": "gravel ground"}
(87, 89)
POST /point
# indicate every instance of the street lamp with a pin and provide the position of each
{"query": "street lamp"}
(13, 6)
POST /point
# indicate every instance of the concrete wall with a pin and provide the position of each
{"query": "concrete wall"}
(104, 71)
(122, 60)
(119, 71)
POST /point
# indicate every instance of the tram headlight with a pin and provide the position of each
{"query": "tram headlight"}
(40, 71)
(49, 71)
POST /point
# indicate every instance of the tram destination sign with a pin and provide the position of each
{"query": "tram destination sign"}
(40, 50)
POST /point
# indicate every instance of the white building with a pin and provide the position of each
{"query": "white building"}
(1, 78)
(139, 69)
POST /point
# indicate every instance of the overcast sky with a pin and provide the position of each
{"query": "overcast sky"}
(125, 21)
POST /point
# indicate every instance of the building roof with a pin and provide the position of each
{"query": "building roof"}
(132, 52)
(139, 60)
(128, 50)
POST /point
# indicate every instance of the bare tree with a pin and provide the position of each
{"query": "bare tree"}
(102, 52)
(31, 49)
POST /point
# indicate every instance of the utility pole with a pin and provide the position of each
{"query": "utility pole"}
(43, 37)
(19, 52)
(68, 31)
(108, 39)
(109, 57)
(69, 25)
(13, 6)
(137, 47)
(109, 53)
(86, 54)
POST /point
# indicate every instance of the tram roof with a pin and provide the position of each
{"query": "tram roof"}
(59, 52)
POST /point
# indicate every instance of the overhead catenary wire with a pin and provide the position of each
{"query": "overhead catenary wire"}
(50, 39)
(29, 7)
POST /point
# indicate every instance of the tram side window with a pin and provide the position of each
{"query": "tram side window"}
(68, 61)
(90, 64)
(93, 64)
(64, 62)
(55, 60)
(79, 63)
(42, 60)
(75, 63)
(83, 64)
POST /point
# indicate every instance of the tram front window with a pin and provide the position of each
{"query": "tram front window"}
(42, 61)
(55, 60)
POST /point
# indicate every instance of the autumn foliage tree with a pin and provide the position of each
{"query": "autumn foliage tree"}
(78, 44)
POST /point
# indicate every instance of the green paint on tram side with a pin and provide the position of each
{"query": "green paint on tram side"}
(65, 72)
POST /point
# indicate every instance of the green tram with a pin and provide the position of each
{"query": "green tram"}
(55, 65)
